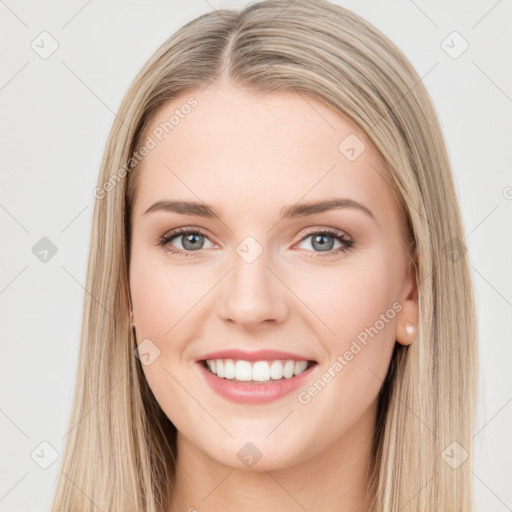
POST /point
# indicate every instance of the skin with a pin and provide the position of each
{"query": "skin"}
(249, 155)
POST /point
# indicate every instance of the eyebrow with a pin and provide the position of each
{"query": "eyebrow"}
(287, 212)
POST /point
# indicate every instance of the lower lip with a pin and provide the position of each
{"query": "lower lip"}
(245, 393)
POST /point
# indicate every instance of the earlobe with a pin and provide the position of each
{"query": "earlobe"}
(406, 333)
(408, 336)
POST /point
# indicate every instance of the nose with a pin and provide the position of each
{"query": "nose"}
(253, 294)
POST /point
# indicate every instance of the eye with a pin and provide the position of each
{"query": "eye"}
(191, 240)
(324, 240)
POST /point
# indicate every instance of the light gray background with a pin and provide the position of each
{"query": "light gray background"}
(56, 114)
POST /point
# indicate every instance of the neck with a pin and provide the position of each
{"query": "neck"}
(336, 478)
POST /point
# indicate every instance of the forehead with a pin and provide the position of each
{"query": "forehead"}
(241, 149)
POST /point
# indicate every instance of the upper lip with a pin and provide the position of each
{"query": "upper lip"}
(254, 355)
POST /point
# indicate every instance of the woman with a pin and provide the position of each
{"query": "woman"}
(279, 310)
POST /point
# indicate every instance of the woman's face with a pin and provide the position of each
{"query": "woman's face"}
(264, 275)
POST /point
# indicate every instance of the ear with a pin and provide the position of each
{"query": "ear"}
(407, 318)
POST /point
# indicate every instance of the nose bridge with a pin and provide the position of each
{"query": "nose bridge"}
(253, 294)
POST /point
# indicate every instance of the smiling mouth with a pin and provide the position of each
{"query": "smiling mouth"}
(256, 372)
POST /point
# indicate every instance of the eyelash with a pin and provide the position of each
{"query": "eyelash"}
(346, 243)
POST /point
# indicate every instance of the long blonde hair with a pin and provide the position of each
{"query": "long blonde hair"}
(120, 450)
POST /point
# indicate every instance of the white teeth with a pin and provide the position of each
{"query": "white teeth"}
(229, 369)
(299, 367)
(276, 370)
(243, 370)
(288, 369)
(260, 371)
(220, 367)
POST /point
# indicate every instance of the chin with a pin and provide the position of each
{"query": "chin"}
(253, 453)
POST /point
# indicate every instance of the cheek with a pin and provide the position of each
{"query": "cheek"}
(356, 316)
(349, 299)
(354, 309)
(163, 296)
(163, 300)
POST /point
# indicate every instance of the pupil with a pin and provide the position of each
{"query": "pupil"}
(324, 246)
(189, 239)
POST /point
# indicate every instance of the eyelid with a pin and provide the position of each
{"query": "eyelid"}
(184, 230)
(326, 229)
